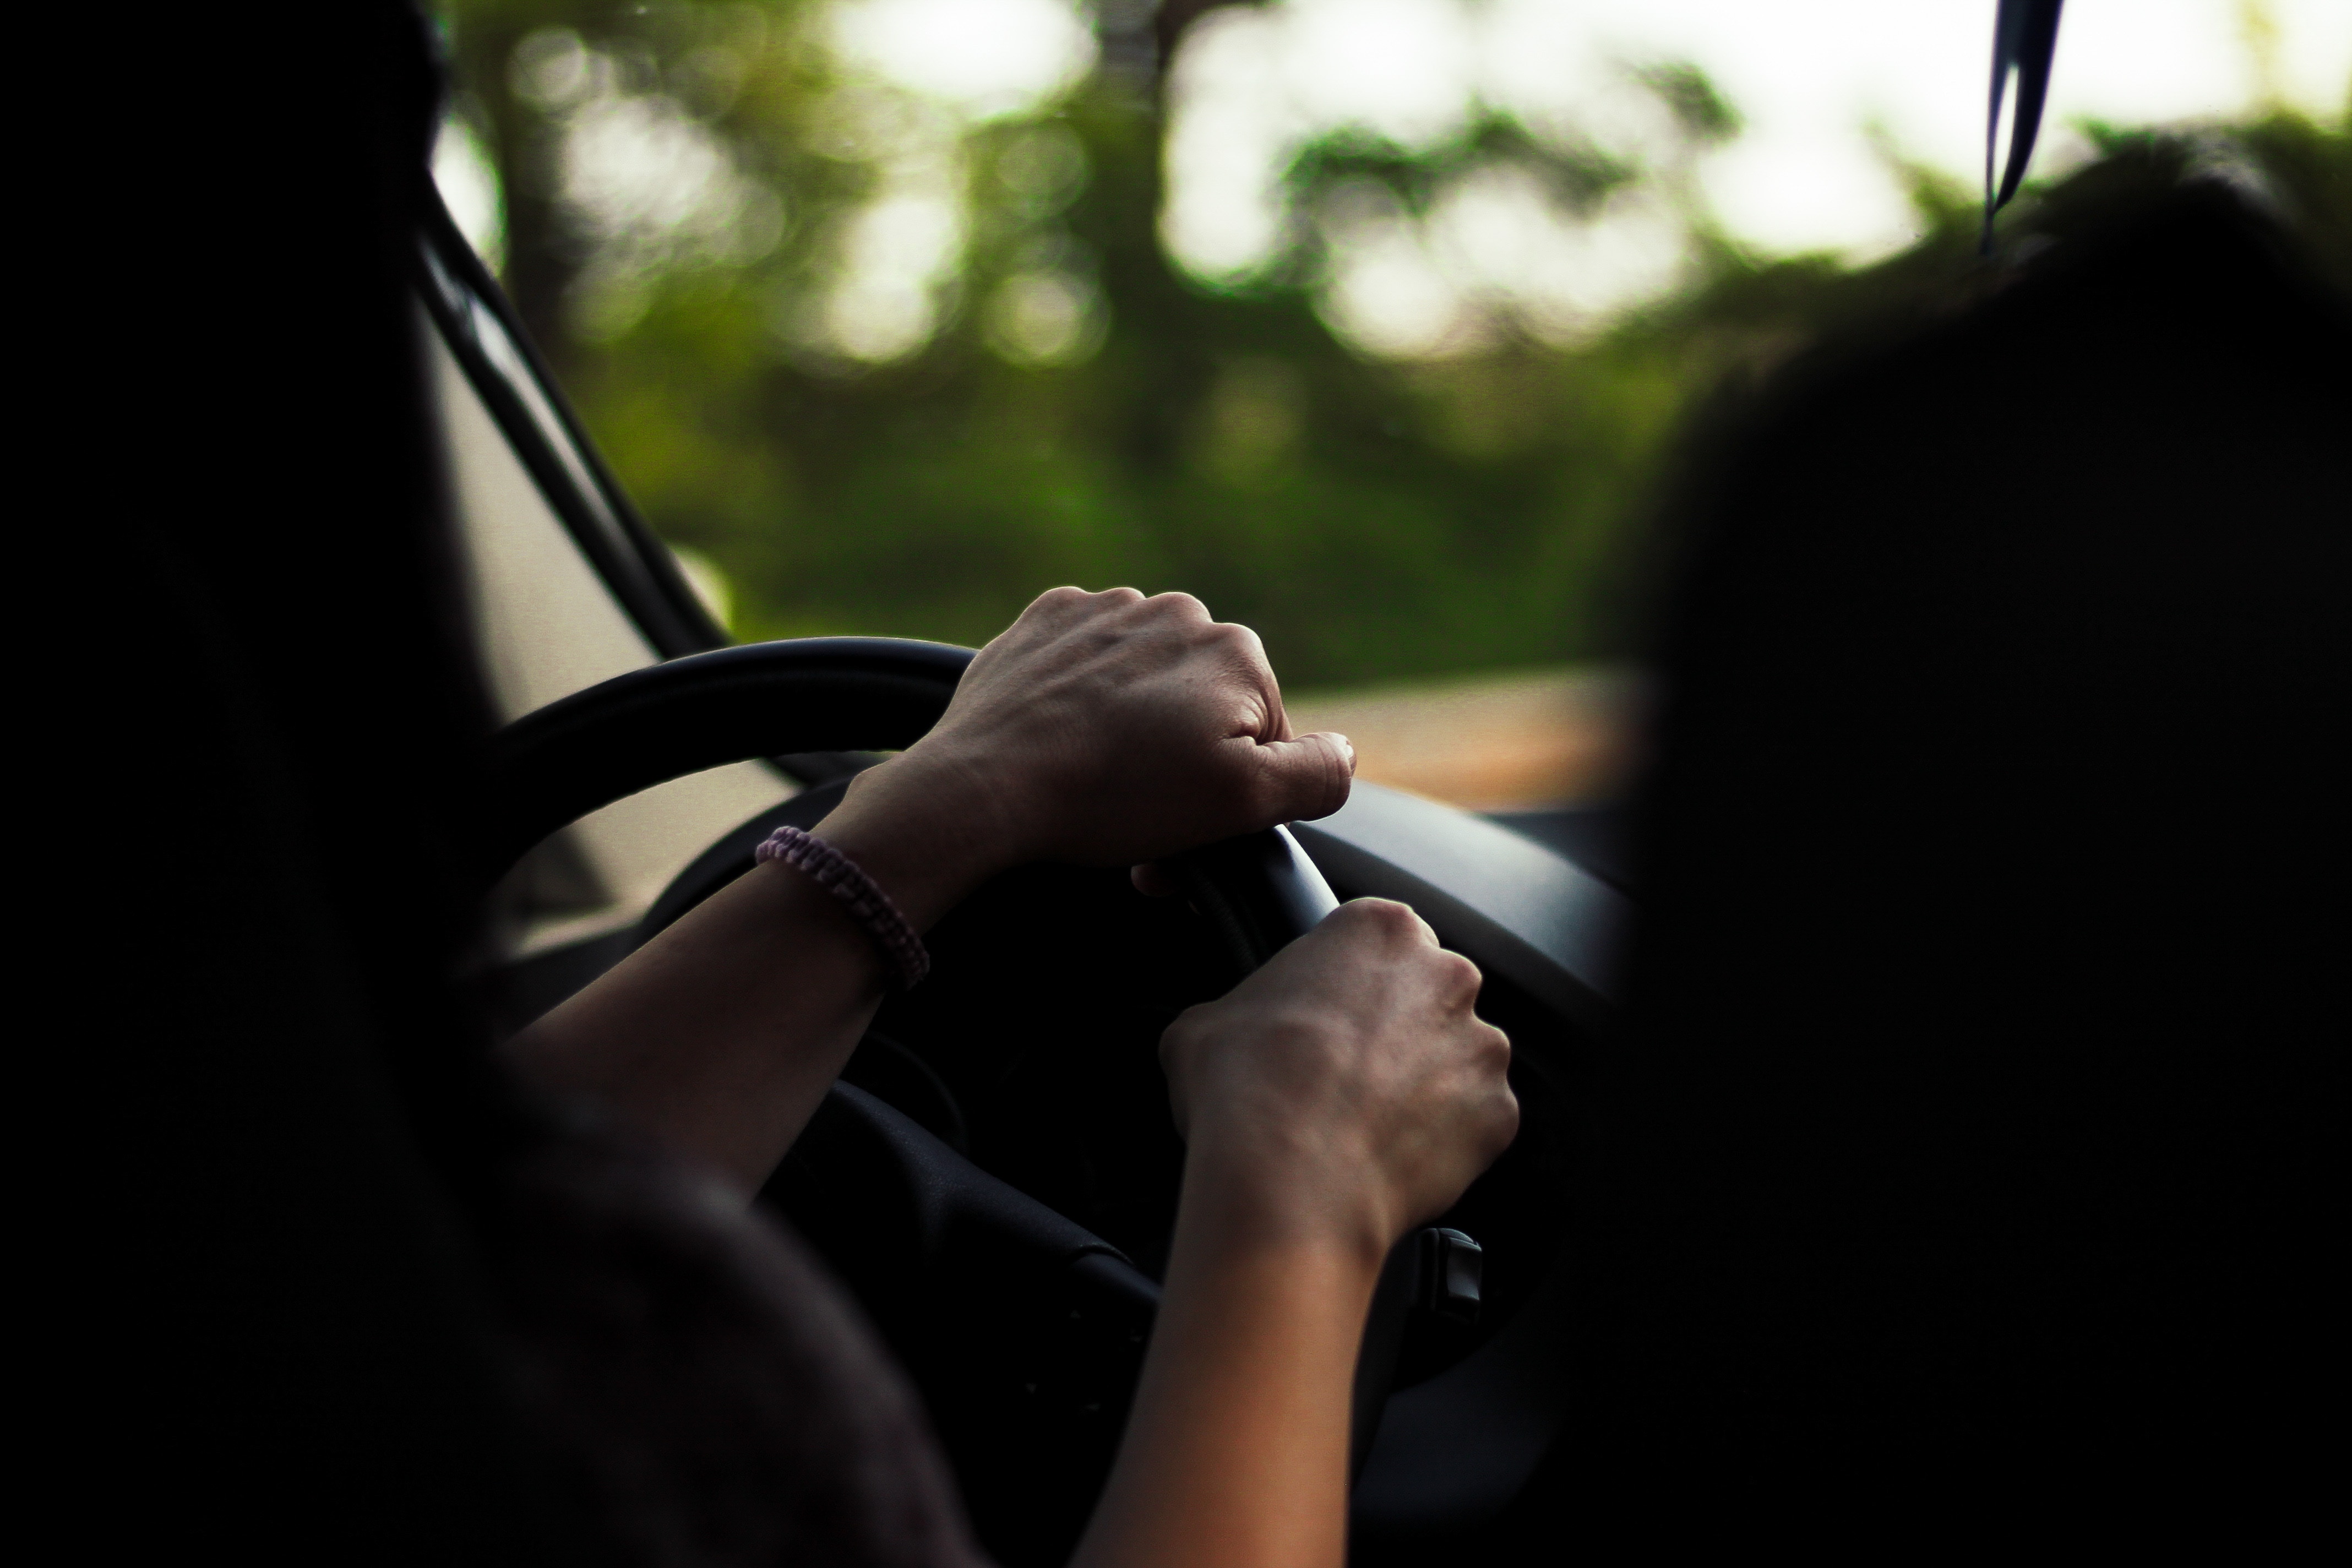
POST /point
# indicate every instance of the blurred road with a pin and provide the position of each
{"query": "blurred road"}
(1496, 743)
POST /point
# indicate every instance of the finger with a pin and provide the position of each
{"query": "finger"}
(1396, 919)
(1249, 651)
(1055, 602)
(1458, 979)
(1154, 880)
(1303, 779)
(1182, 607)
(1057, 608)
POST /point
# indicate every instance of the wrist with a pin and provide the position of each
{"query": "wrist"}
(992, 803)
(926, 829)
(1295, 1206)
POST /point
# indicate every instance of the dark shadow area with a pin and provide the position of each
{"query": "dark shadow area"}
(1966, 1157)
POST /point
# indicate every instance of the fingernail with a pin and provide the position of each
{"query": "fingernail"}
(1346, 747)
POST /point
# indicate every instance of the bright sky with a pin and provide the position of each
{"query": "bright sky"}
(985, 57)
(1812, 79)
(1810, 76)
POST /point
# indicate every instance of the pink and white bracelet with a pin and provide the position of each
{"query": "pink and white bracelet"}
(843, 878)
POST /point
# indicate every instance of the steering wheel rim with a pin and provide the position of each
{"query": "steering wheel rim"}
(556, 764)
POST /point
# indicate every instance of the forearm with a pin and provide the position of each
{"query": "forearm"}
(1237, 1453)
(723, 1033)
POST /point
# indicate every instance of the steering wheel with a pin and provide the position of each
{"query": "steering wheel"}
(1023, 1327)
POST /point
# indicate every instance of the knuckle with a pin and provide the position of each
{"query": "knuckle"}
(1177, 1039)
(1239, 640)
(1180, 605)
(1505, 1121)
(1380, 917)
(1460, 976)
(1238, 645)
(1344, 927)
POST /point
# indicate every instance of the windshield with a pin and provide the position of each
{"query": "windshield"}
(1372, 322)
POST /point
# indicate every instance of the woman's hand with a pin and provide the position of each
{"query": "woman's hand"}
(1106, 730)
(1339, 1097)
(1346, 1092)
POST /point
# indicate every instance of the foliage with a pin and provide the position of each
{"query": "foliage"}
(1372, 519)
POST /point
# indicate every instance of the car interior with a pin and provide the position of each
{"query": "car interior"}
(1934, 1088)
(643, 761)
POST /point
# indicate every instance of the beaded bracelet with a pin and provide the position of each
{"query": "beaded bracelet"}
(843, 878)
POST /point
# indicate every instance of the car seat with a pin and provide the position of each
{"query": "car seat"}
(1966, 1164)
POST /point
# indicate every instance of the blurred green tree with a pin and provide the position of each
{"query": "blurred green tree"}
(895, 369)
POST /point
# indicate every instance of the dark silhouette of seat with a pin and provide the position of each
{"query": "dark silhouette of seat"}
(1968, 1156)
(376, 1304)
